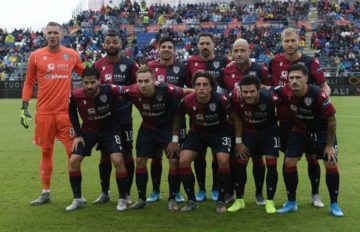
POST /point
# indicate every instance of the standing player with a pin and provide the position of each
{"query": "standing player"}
(167, 70)
(52, 68)
(256, 109)
(233, 73)
(208, 112)
(279, 68)
(313, 116)
(156, 105)
(206, 61)
(119, 70)
(95, 104)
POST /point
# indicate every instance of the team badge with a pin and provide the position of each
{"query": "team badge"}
(262, 107)
(216, 64)
(66, 56)
(103, 98)
(122, 67)
(159, 98)
(212, 106)
(161, 78)
(176, 69)
(308, 101)
(199, 117)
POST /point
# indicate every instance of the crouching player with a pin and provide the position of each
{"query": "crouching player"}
(256, 109)
(208, 112)
(95, 103)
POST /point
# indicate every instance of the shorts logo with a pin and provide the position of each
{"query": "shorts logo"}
(262, 107)
(176, 69)
(103, 98)
(122, 67)
(66, 56)
(216, 64)
(159, 98)
(308, 101)
(212, 106)
(199, 117)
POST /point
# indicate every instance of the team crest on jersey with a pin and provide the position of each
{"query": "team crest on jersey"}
(216, 64)
(212, 106)
(262, 107)
(122, 67)
(103, 98)
(308, 101)
(176, 69)
(199, 117)
(108, 77)
(159, 98)
(66, 56)
(161, 78)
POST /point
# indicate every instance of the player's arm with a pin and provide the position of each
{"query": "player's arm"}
(188, 91)
(330, 151)
(173, 147)
(319, 76)
(74, 118)
(79, 66)
(27, 91)
(326, 88)
(240, 149)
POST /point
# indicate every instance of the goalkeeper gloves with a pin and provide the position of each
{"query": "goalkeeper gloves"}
(25, 116)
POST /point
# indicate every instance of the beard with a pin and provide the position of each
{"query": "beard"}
(112, 52)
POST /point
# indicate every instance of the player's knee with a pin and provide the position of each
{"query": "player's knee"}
(140, 162)
(223, 160)
(290, 162)
(75, 162)
(270, 161)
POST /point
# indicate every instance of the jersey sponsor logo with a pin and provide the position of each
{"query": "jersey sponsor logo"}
(212, 106)
(66, 56)
(51, 67)
(103, 98)
(262, 107)
(199, 117)
(176, 69)
(216, 64)
(146, 107)
(308, 101)
(122, 67)
(108, 77)
(159, 98)
(91, 111)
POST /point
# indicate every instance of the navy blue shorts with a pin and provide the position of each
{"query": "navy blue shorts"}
(109, 142)
(218, 141)
(266, 140)
(285, 129)
(310, 143)
(126, 134)
(149, 141)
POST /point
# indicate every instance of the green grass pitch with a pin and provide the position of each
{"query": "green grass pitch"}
(20, 184)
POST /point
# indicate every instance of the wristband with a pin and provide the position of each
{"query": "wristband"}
(175, 139)
(238, 140)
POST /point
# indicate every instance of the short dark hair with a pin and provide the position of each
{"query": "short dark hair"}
(54, 24)
(91, 72)
(250, 79)
(206, 75)
(206, 34)
(145, 69)
(299, 67)
(167, 39)
(112, 33)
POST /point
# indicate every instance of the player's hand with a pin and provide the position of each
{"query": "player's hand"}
(241, 151)
(76, 142)
(172, 150)
(25, 116)
(330, 154)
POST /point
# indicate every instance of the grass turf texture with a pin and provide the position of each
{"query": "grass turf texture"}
(20, 184)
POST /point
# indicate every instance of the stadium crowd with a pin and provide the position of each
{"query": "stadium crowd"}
(339, 42)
